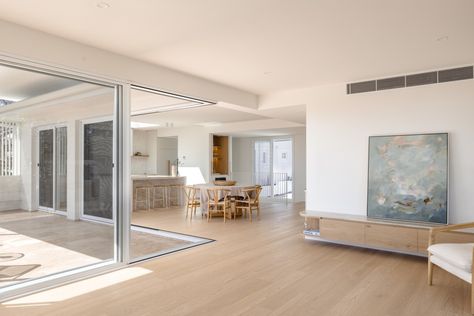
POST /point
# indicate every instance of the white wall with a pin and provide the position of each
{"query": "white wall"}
(148, 143)
(299, 170)
(27, 166)
(167, 150)
(194, 147)
(140, 144)
(338, 127)
(11, 193)
(242, 159)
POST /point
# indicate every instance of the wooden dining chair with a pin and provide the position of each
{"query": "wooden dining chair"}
(193, 200)
(250, 201)
(218, 200)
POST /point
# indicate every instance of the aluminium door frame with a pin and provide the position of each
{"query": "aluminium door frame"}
(121, 206)
(37, 130)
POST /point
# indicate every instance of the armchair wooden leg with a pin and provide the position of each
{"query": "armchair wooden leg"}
(472, 285)
(472, 299)
(430, 271)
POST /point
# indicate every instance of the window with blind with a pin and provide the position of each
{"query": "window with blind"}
(9, 149)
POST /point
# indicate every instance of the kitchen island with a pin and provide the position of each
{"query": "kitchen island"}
(157, 191)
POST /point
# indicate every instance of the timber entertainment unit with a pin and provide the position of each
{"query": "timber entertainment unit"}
(360, 231)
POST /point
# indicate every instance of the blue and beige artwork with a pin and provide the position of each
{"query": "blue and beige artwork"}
(408, 178)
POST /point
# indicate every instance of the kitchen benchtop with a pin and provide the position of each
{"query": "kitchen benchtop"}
(154, 177)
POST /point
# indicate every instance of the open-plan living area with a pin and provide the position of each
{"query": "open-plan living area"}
(236, 157)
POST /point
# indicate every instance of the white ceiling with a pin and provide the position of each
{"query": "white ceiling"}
(268, 132)
(267, 45)
(143, 101)
(295, 113)
(17, 84)
(211, 115)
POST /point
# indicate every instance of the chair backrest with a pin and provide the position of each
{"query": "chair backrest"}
(214, 194)
(258, 190)
(190, 192)
(253, 194)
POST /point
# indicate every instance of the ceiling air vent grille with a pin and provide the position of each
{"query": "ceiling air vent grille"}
(360, 87)
(391, 83)
(455, 74)
(447, 75)
(421, 79)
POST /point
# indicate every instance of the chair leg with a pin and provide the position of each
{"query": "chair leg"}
(430, 271)
(472, 285)
(472, 299)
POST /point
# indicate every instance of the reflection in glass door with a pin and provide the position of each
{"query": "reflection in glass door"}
(98, 170)
(263, 166)
(52, 169)
(46, 168)
(60, 167)
(283, 167)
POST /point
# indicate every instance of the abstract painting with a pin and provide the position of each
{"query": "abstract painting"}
(408, 178)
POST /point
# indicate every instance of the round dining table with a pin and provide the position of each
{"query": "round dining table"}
(235, 190)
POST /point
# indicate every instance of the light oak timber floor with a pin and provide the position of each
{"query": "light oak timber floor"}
(260, 268)
(46, 243)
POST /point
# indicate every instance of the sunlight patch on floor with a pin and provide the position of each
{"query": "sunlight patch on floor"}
(75, 289)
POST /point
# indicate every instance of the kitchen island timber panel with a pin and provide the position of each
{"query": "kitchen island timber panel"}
(169, 182)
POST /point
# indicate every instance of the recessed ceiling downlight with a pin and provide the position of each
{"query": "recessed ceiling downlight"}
(442, 38)
(103, 5)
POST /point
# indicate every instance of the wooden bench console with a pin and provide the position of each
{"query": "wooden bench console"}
(360, 231)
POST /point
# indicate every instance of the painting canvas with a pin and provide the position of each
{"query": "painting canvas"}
(408, 178)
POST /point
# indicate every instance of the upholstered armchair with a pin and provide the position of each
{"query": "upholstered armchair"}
(455, 258)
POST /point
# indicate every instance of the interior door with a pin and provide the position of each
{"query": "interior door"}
(46, 169)
(98, 170)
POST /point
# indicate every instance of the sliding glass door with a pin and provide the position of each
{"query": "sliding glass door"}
(52, 168)
(60, 167)
(56, 158)
(273, 166)
(282, 167)
(98, 170)
(263, 166)
(46, 169)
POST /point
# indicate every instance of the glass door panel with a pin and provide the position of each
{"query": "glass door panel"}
(98, 170)
(46, 168)
(262, 166)
(61, 169)
(44, 247)
(282, 167)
